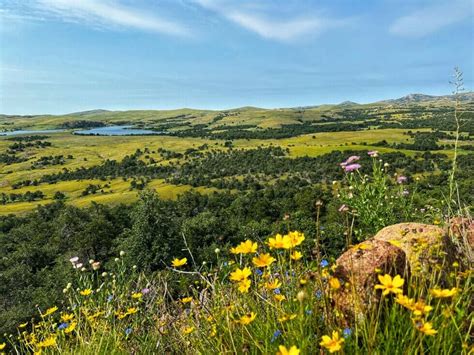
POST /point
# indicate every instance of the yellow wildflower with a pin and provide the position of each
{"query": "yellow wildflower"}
(132, 310)
(179, 262)
(333, 343)
(49, 311)
(186, 299)
(70, 327)
(405, 301)
(2, 346)
(280, 298)
(67, 317)
(213, 331)
(244, 285)
(286, 317)
(273, 284)
(390, 285)
(137, 295)
(263, 260)
(283, 350)
(48, 342)
(247, 319)
(279, 242)
(426, 328)
(247, 247)
(240, 274)
(296, 238)
(296, 255)
(420, 308)
(188, 330)
(23, 325)
(334, 283)
(86, 292)
(439, 293)
(303, 282)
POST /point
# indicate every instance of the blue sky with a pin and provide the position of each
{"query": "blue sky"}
(59, 56)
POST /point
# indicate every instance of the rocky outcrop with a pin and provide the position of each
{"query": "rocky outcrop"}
(398, 249)
(358, 268)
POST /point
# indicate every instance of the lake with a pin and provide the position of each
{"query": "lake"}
(23, 131)
(117, 131)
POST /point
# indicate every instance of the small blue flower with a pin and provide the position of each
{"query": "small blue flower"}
(324, 263)
(346, 333)
(259, 272)
(318, 294)
(128, 331)
(110, 298)
(275, 335)
(276, 291)
(308, 311)
(225, 263)
(62, 326)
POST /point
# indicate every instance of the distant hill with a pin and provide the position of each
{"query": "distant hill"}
(415, 98)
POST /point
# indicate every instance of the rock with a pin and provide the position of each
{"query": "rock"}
(463, 230)
(423, 244)
(358, 268)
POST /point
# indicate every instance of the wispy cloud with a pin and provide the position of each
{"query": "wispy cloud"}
(110, 13)
(253, 18)
(430, 19)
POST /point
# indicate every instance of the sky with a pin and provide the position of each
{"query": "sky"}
(61, 56)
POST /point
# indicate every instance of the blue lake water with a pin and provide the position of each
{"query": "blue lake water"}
(116, 131)
(24, 131)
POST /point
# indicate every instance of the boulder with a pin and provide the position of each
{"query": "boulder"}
(423, 244)
(358, 268)
(463, 230)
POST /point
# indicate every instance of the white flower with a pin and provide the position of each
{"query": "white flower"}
(217, 251)
(91, 261)
(78, 266)
(122, 253)
(69, 285)
(83, 269)
(96, 265)
(117, 259)
(104, 274)
(74, 259)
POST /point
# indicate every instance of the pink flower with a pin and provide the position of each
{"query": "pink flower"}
(373, 153)
(401, 179)
(350, 160)
(351, 167)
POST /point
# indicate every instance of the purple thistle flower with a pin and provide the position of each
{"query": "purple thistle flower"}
(350, 160)
(276, 291)
(401, 179)
(145, 290)
(351, 167)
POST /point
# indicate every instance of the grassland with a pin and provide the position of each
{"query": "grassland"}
(89, 151)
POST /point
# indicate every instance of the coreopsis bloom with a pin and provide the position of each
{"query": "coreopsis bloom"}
(439, 293)
(137, 295)
(389, 285)
(179, 262)
(2, 346)
(48, 342)
(405, 301)
(333, 343)
(420, 308)
(86, 292)
(132, 310)
(272, 285)
(296, 255)
(186, 299)
(188, 330)
(244, 285)
(67, 317)
(49, 311)
(247, 247)
(70, 327)
(280, 298)
(334, 283)
(283, 350)
(296, 238)
(247, 319)
(426, 328)
(263, 260)
(240, 274)
(279, 242)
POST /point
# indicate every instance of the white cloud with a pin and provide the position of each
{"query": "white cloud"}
(433, 18)
(249, 17)
(110, 13)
